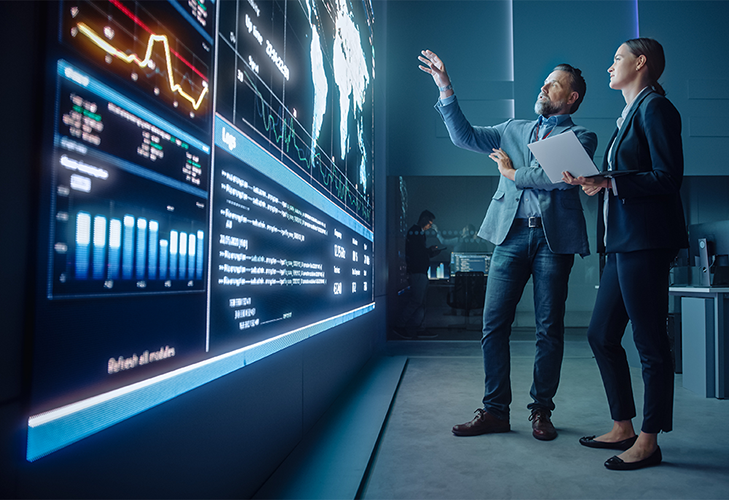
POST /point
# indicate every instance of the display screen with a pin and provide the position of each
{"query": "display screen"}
(207, 199)
(469, 262)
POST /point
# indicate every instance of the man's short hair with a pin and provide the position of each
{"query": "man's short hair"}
(425, 217)
(577, 83)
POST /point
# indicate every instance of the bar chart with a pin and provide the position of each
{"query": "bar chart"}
(132, 253)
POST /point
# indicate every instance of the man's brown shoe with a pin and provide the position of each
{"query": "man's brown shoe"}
(542, 427)
(482, 423)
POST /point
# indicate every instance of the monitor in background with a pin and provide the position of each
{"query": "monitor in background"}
(708, 253)
(439, 271)
(716, 235)
(469, 262)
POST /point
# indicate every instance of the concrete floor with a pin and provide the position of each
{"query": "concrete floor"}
(419, 458)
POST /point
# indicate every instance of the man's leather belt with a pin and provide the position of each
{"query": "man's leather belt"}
(530, 222)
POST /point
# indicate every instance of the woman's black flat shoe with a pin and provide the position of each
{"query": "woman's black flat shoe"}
(614, 463)
(590, 442)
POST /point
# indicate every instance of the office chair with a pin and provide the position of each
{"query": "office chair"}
(468, 293)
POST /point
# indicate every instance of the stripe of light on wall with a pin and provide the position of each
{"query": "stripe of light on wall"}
(50, 431)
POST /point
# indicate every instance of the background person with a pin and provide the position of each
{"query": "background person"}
(417, 260)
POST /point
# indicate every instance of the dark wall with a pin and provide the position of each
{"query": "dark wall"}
(22, 85)
(475, 42)
(473, 38)
(693, 34)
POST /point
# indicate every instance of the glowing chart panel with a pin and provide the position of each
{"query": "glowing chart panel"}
(163, 50)
(283, 255)
(205, 201)
(297, 78)
(130, 216)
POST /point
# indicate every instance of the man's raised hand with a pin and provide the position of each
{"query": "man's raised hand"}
(433, 65)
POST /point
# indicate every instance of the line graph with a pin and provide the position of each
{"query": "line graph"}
(285, 137)
(154, 48)
(146, 61)
(142, 25)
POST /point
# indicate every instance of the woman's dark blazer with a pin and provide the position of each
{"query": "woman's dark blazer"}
(647, 213)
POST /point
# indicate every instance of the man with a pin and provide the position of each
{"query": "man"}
(537, 227)
(417, 259)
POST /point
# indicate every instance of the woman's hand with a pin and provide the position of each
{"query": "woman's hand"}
(590, 185)
(504, 163)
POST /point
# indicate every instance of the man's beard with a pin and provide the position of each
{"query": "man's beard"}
(547, 107)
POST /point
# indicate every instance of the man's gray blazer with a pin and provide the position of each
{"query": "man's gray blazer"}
(562, 215)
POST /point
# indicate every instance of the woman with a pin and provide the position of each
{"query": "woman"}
(640, 228)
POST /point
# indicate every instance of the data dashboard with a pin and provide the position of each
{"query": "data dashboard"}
(208, 198)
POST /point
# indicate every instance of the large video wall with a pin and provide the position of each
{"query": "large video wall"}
(206, 197)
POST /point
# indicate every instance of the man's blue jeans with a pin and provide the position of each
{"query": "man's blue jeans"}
(524, 253)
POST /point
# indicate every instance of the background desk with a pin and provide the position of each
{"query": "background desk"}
(705, 339)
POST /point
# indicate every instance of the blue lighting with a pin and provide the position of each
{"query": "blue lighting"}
(56, 429)
(115, 233)
(99, 246)
(128, 247)
(83, 239)
(252, 154)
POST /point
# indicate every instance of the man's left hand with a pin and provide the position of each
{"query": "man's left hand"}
(504, 163)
